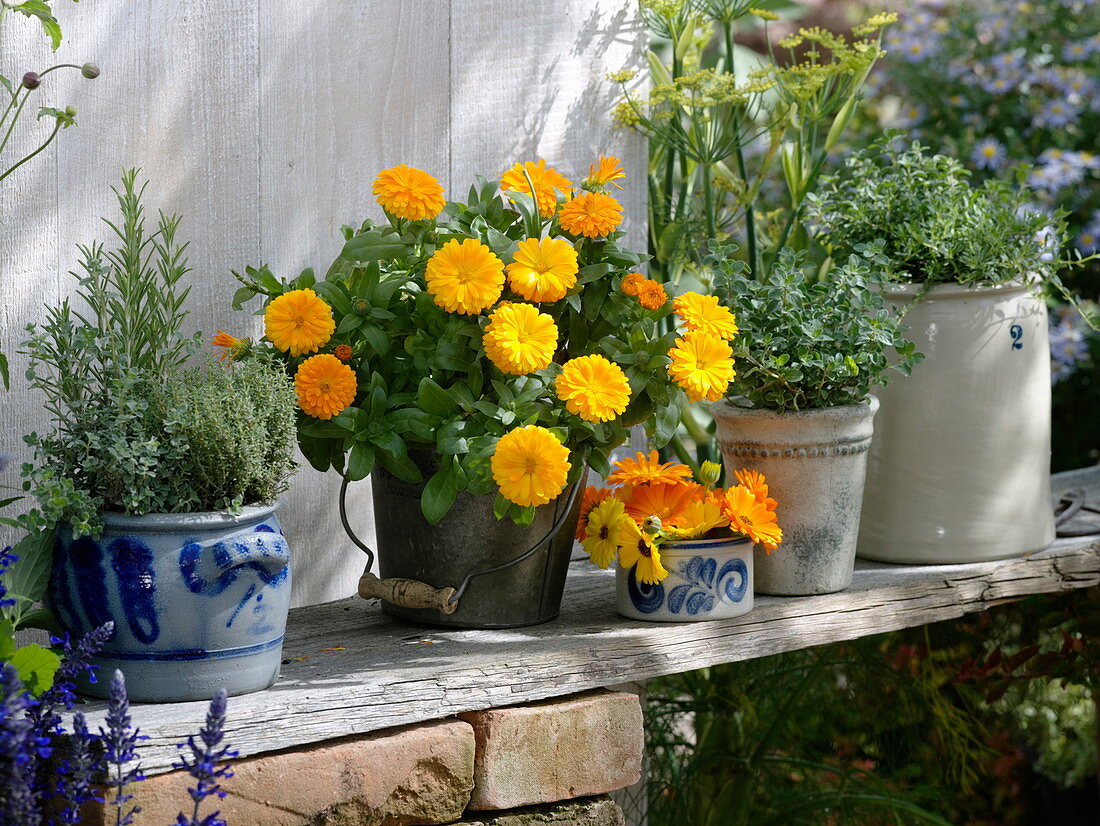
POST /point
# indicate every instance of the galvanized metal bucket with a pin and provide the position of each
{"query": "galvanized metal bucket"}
(504, 575)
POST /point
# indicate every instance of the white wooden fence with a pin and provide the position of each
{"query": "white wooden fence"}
(264, 122)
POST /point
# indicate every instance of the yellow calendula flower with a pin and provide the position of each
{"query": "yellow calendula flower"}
(593, 388)
(699, 516)
(592, 496)
(543, 269)
(325, 386)
(233, 348)
(702, 364)
(520, 339)
(652, 295)
(592, 215)
(704, 313)
(465, 276)
(530, 466)
(547, 181)
(648, 470)
(637, 548)
(408, 193)
(298, 322)
(749, 517)
(603, 174)
(601, 531)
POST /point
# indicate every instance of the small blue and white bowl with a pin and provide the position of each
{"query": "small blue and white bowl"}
(707, 579)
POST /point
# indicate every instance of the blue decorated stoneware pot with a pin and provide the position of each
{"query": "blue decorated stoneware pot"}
(707, 579)
(199, 600)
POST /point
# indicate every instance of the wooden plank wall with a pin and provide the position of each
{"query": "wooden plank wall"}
(264, 125)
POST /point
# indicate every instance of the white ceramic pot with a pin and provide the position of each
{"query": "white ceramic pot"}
(814, 462)
(960, 467)
(707, 579)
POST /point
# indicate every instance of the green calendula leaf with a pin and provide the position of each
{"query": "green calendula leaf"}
(4, 375)
(439, 495)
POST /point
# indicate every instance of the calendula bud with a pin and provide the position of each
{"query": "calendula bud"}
(343, 352)
(652, 525)
(709, 473)
(90, 71)
(31, 80)
(361, 306)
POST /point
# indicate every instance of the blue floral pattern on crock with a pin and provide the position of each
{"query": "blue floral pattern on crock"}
(704, 582)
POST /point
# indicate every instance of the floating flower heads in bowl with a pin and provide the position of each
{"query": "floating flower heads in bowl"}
(684, 547)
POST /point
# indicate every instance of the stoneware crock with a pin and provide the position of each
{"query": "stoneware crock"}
(199, 601)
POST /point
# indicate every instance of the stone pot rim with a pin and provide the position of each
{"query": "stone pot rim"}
(692, 547)
(186, 522)
(841, 411)
(913, 291)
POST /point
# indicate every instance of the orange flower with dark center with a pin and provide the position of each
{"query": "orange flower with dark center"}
(592, 497)
(751, 518)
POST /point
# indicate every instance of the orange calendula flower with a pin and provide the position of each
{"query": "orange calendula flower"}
(702, 364)
(652, 295)
(325, 386)
(700, 516)
(465, 277)
(704, 313)
(519, 339)
(644, 470)
(233, 348)
(666, 502)
(637, 548)
(298, 322)
(530, 465)
(593, 388)
(343, 352)
(601, 532)
(603, 174)
(751, 518)
(543, 269)
(592, 496)
(408, 193)
(547, 181)
(592, 215)
(754, 481)
(632, 283)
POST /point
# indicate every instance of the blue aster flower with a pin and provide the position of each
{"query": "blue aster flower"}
(1055, 115)
(911, 114)
(1076, 50)
(1069, 347)
(988, 153)
(1088, 239)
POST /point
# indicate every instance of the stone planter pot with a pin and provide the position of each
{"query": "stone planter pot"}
(707, 579)
(815, 462)
(470, 539)
(199, 601)
(959, 470)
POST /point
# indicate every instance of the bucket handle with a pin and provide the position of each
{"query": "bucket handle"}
(412, 593)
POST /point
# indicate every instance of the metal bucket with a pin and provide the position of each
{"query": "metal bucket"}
(199, 601)
(471, 539)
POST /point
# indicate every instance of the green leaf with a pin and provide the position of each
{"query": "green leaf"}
(361, 461)
(29, 577)
(439, 495)
(435, 400)
(373, 246)
(403, 468)
(378, 341)
(42, 619)
(243, 295)
(323, 430)
(36, 666)
(4, 372)
(39, 9)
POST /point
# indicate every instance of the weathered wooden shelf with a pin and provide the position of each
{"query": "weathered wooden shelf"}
(350, 669)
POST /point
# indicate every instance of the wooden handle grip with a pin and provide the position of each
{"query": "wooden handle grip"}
(407, 593)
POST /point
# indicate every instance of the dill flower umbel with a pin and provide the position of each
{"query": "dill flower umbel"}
(603, 174)
(298, 322)
(648, 470)
(592, 496)
(751, 518)
(704, 313)
(408, 193)
(325, 386)
(652, 295)
(601, 531)
(547, 181)
(593, 388)
(638, 550)
(530, 466)
(543, 269)
(233, 348)
(465, 277)
(632, 283)
(702, 364)
(520, 339)
(592, 215)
